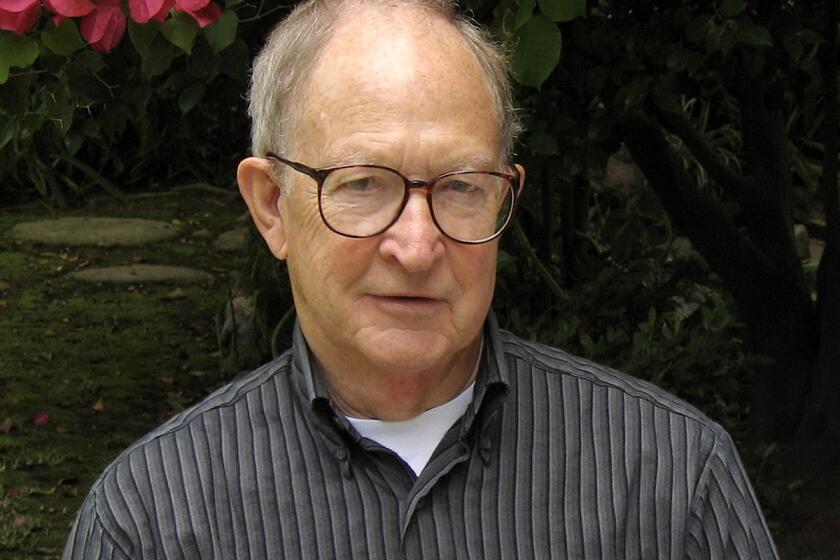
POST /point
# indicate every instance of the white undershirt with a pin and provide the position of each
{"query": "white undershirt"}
(414, 440)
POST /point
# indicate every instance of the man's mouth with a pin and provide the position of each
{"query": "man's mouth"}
(411, 301)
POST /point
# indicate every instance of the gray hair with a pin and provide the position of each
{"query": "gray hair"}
(282, 68)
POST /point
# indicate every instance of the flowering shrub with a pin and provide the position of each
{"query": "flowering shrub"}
(103, 23)
(99, 93)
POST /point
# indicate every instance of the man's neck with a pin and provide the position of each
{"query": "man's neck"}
(392, 396)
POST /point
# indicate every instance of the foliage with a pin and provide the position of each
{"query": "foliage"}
(720, 105)
(164, 105)
(648, 307)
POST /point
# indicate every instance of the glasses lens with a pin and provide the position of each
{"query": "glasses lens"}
(361, 200)
(472, 206)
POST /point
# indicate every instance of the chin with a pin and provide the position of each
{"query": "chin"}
(407, 351)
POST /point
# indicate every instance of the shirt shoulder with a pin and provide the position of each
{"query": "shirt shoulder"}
(555, 363)
(229, 409)
(270, 376)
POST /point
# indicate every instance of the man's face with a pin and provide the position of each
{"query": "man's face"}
(398, 89)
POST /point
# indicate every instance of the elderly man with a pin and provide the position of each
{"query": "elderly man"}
(403, 423)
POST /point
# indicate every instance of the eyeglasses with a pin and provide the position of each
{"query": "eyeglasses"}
(365, 200)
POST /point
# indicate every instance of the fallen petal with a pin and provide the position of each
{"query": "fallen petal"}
(41, 418)
(6, 426)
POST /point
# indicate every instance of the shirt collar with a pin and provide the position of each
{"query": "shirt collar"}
(491, 385)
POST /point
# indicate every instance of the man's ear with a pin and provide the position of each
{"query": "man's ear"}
(521, 179)
(262, 195)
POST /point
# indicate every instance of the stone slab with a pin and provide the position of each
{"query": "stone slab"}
(141, 274)
(102, 232)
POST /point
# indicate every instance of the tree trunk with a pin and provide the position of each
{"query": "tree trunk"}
(776, 309)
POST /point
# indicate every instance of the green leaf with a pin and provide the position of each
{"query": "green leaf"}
(596, 78)
(64, 39)
(142, 35)
(14, 98)
(180, 30)
(731, 8)
(91, 60)
(755, 35)
(204, 63)
(538, 46)
(714, 38)
(543, 144)
(16, 50)
(222, 33)
(668, 99)
(523, 14)
(190, 96)
(234, 61)
(697, 29)
(632, 95)
(161, 53)
(563, 10)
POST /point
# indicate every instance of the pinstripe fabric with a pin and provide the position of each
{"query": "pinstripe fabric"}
(556, 457)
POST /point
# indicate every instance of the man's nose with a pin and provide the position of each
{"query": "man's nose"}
(414, 240)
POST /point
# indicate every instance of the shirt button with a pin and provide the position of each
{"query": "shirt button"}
(421, 503)
(341, 453)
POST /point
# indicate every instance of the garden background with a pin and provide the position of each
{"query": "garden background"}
(681, 223)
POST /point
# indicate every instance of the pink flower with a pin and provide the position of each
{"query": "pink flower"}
(17, 6)
(104, 27)
(144, 10)
(69, 8)
(204, 12)
(190, 5)
(19, 15)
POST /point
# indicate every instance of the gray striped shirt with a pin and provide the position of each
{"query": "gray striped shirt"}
(556, 457)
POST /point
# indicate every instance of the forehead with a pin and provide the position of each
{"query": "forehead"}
(390, 70)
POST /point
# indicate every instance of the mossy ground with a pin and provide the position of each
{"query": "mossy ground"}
(86, 369)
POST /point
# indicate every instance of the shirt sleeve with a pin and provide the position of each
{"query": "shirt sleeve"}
(725, 519)
(89, 540)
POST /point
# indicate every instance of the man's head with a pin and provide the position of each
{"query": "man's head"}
(393, 84)
(284, 67)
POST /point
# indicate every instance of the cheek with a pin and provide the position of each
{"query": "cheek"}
(325, 267)
(476, 274)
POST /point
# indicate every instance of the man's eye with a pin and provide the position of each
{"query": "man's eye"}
(361, 184)
(460, 187)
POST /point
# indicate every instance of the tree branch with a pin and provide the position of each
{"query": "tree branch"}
(680, 126)
(700, 217)
(542, 271)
